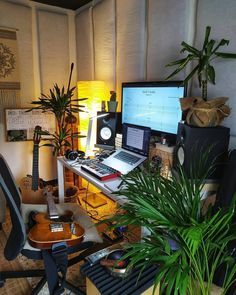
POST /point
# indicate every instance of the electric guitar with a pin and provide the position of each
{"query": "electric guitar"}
(51, 228)
(31, 187)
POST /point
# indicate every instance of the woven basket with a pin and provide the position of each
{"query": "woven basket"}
(202, 113)
(71, 193)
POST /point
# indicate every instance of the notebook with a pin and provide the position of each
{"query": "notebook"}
(134, 150)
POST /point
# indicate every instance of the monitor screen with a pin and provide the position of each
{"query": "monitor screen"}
(136, 138)
(153, 104)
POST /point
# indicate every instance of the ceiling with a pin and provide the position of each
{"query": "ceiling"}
(69, 4)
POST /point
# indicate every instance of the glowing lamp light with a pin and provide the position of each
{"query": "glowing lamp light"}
(96, 92)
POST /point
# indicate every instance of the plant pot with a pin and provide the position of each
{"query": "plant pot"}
(202, 113)
(71, 193)
(112, 106)
(214, 290)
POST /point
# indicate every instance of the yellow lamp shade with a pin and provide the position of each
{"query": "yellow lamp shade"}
(96, 92)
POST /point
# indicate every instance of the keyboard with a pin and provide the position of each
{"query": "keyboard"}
(127, 158)
(100, 170)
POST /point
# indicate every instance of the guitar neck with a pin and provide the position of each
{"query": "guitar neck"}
(52, 209)
(35, 168)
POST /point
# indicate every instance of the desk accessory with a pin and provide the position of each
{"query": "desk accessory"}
(100, 170)
(94, 200)
(108, 123)
(95, 257)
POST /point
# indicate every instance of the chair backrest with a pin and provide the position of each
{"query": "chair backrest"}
(17, 236)
(227, 186)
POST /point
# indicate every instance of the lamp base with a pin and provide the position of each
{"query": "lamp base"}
(94, 200)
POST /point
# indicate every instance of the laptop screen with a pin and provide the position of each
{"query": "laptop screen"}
(136, 138)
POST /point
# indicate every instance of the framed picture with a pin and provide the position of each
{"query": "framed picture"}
(20, 124)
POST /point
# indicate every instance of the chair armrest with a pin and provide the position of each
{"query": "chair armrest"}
(2, 207)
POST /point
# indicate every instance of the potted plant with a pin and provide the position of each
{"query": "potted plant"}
(202, 60)
(112, 104)
(63, 106)
(187, 245)
(61, 103)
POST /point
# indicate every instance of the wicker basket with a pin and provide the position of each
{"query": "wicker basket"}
(71, 193)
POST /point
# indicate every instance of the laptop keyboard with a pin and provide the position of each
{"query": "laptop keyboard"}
(127, 158)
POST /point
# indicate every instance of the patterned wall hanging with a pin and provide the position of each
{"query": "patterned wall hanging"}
(9, 70)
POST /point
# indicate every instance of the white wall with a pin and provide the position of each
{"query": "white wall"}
(46, 49)
(112, 40)
(220, 15)
(147, 36)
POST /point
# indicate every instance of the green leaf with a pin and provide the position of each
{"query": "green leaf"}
(209, 48)
(177, 62)
(225, 55)
(190, 75)
(222, 42)
(211, 74)
(180, 67)
(206, 39)
(186, 47)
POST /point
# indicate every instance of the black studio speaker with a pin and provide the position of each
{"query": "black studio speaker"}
(193, 141)
(108, 124)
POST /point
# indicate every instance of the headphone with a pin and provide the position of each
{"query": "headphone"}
(73, 155)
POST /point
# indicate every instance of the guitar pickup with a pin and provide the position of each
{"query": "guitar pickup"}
(56, 227)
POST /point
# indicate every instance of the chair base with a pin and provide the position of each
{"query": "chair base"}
(4, 275)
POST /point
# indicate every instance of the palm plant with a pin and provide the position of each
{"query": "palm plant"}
(203, 59)
(63, 106)
(170, 209)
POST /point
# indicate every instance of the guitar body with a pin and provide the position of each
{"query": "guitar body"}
(30, 196)
(51, 228)
(41, 237)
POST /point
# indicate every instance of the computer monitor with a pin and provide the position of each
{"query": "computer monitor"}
(153, 104)
(136, 138)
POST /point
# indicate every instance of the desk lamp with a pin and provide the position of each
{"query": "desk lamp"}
(94, 200)
(96, 91)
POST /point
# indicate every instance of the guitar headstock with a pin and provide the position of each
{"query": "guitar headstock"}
(37, 134)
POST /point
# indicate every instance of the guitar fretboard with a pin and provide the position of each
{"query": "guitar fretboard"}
(52, 209)
(35, 168)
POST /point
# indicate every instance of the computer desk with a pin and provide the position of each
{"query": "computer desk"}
(63, 163)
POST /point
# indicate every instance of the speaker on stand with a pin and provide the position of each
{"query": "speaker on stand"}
(107, 127)
(192, 142)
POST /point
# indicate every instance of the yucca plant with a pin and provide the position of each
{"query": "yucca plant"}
(202, 60)
(63, 106)
(187, 245)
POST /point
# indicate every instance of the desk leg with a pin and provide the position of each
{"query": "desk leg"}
(61, 181)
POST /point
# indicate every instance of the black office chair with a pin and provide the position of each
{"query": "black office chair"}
(54, 273)
(224, 196)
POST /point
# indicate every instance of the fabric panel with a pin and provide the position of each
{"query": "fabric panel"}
(131, 41)
(84, 42)
(167, 28)
(220, 15)
(104, 41)
(53, 49)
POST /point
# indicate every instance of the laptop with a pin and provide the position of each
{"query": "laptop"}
(135, 147)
